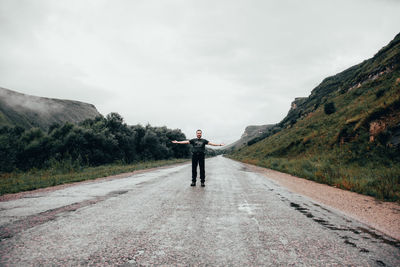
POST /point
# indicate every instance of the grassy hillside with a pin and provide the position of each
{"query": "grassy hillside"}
(346, 133)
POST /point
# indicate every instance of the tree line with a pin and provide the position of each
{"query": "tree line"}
(93, 142)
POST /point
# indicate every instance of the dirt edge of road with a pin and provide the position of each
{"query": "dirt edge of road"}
(380, 215)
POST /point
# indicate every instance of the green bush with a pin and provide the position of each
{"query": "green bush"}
(94, 142)
(329, 108)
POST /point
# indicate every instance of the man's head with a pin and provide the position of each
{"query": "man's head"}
(198, 133)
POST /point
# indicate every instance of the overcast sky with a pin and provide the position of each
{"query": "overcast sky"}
(215, 65)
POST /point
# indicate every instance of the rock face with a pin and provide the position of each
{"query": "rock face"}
(28, 111)
(253, 130)
(297, 101)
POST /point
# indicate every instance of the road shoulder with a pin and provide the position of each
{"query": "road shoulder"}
(383, 216)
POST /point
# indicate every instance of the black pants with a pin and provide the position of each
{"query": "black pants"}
(198, 158)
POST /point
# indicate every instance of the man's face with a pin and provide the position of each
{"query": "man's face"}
(198, 133)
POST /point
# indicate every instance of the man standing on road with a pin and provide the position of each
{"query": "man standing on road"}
(198, 155)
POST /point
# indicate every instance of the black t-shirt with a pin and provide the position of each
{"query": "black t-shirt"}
(198, 144)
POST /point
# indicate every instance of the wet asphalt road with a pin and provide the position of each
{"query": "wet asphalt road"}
(156, 218)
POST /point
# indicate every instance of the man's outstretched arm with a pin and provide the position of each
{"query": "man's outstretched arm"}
(181, 142)
(212, 144)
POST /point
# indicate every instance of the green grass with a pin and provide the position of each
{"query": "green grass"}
(335, 148)
(62, 173)
(374, 180)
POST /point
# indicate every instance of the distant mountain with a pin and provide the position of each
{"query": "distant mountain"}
(28, 111)
(251, 134)
(346, 133)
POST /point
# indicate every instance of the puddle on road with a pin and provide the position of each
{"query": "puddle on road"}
(358, 236)
(319, 206)
(358, 230)
(117, 193)
(350, 243)
(380, 263)
(302, 210)
(387, 241)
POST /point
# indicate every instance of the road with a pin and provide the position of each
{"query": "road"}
(156, 218)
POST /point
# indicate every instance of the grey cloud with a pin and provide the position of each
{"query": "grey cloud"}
(219, 65)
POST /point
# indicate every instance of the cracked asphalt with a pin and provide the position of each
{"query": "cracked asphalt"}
(156, 218)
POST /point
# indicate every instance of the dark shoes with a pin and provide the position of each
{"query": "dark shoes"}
(194, 184)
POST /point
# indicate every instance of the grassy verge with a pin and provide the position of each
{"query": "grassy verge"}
(345, 147)
(66, 173)
(381, 182)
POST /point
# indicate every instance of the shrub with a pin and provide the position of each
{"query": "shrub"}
(380, 93)
(91, 143)
(329, 108)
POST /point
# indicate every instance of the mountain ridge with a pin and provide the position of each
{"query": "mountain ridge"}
(28, 111)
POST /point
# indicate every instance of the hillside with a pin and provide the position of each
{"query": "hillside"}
(346, 133)
(250, 133)
(28, 111)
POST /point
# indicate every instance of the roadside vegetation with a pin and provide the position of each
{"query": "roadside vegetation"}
(345, 134)
(94, 142)
(31, 159)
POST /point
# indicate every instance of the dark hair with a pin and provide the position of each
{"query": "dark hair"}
(199, 130)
